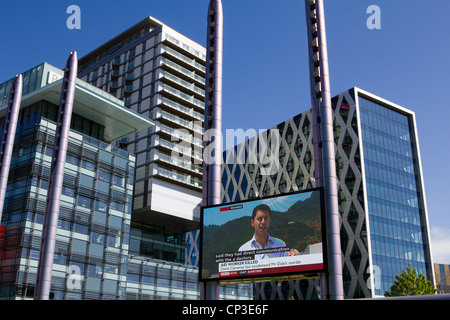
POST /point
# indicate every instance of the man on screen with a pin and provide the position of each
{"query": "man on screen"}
(261, 216)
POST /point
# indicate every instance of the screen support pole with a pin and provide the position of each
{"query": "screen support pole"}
(212, 160)
(324, 148)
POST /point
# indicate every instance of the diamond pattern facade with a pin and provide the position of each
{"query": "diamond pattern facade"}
(296, 172)
(370, 259)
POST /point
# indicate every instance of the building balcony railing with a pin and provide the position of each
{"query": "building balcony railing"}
(116, 63)
(115, 74)
(183, 83)
(129, 77)
(179, 163)
(128, 89)
(191, 74)
(183, 96)
(183, 58)
(183, 46)
(198, 158)
(180, 135)
(115, 85)
(187, 179)
(183, 109)
(187, 124)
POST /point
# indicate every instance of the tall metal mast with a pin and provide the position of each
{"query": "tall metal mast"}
(323, 139)
(8, 136)
(64, 117)
(213, 119)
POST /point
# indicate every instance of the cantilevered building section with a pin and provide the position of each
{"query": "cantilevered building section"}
(160, 74)
(382, 203)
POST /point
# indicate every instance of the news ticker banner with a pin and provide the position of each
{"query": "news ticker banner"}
(259, 262)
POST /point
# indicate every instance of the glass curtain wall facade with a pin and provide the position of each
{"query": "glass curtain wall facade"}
(92, 239)
(394, 200)
(442, 274)
(383, 223)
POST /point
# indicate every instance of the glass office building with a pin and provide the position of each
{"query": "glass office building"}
(442, 274)
(381, 197)
(395, 208)
(92, 240)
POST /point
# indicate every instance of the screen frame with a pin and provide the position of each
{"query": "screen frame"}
(307, 274)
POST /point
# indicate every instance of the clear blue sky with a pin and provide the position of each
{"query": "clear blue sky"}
(265, 60)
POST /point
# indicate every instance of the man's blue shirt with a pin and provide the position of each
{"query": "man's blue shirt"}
(271, 243)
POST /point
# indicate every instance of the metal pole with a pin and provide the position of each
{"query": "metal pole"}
(64, 117)
(8, 136)
(213, 121)
(331, 284)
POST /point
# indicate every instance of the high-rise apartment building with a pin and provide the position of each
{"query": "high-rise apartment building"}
(160, 74)
(382, 204)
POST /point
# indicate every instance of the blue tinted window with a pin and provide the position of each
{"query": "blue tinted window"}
(392, 192)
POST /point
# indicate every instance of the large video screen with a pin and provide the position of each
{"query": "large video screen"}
(263, 238)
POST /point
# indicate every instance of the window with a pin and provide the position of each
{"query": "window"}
(84, 201)
(101, 206)
(79, 246)
(86, 164)
(86, 181)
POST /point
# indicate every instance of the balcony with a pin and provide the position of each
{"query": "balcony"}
(181, 122)
(182, 97)
(182, 109)
(115, 74)
(180, 135)
(182, 84)
(116, 64)
(180, 163)
(129, 78)
(181, 178)
(115, 85)
(182, 59)
(198, 157)
(185, 47)
(128, 90)
(183, 72)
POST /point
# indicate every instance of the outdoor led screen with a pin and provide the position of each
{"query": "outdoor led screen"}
(272, 237)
